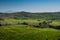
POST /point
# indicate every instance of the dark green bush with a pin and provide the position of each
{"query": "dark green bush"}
(1, 19)
(0, 24)
(24, 23)
(43, 24)
(18, 23)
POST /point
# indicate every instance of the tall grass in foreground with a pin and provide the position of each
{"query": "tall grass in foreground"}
(27, 33)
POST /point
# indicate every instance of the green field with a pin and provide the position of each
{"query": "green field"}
(29, 21)
(30, 26)
(19, 32)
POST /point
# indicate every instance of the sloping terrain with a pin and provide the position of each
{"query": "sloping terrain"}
(27, 33)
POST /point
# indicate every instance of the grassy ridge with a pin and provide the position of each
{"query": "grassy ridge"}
(18, 32)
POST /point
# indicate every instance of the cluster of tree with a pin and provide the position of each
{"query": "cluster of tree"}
(45, 24)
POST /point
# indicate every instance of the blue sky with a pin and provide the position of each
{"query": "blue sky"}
(29, 5)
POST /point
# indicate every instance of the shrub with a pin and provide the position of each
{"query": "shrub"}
(46, 39)
(7, 24)
(1, 19)
(58, 39)
(44, 24)
(38, 20)
(18, 23)
(24, 23)
(55, 27)
(36, 26)
(0, 24)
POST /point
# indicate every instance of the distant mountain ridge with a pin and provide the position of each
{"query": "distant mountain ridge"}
(47, 15)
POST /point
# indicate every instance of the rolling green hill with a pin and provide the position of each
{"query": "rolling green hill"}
(30, 26)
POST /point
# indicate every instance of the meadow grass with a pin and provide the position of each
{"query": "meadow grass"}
(28, 32)
(20, 32)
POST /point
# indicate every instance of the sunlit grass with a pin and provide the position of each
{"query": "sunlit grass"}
(28, 33)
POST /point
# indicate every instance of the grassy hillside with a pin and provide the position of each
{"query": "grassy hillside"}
(30, 26)
(18, 32)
